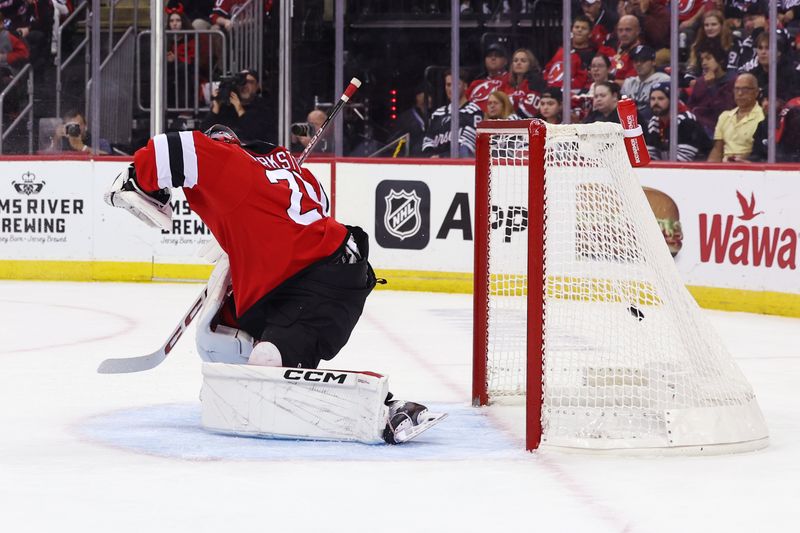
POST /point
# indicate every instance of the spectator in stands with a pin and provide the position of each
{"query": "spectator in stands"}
(223, 12)
(436, 142)
(760, 137)
(653, 16)
(550, 105)
(627, 38)
(496, 75)
(604, 21)
(499, 107)
(315, 119)
(713, 91)
(180, 62)
(787, 137)
(599, 71)
(13, 13)
(604, 103)
(693, 142)
(33, 21)
(245, 112)
(74, 136)
(583, 50)
(712, 30)
(69, 33)
(412, 121)
(13, 51)
(690, 16)
(753, 23)
(524, 83)
(638, 87)
(788, 80)
(197, 11)
(733, 136)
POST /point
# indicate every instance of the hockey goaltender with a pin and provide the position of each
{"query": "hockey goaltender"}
(287, 289)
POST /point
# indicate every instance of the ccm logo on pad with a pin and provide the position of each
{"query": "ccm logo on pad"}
(314, 375)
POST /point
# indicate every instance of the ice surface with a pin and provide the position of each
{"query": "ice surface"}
(86, 452)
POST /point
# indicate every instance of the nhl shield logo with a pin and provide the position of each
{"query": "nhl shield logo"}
(402, 214)
(402, 217)
(28, 185)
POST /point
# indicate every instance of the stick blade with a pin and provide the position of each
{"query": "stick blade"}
(131, 364)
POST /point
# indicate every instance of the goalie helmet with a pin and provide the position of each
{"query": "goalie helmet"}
(221, 133)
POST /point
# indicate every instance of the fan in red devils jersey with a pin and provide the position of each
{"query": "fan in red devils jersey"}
(495, 61)
(271, 218)
(525, 84)
(224, 11)
(583, 50)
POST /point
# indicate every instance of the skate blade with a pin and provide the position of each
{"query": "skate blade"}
(407, 435)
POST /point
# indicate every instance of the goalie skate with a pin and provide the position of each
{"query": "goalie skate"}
(407, 420)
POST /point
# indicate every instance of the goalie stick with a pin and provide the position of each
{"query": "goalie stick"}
(355, 83)
(152, 360)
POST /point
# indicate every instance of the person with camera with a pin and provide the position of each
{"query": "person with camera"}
(236, 103)
(302, 132)
(73, 136)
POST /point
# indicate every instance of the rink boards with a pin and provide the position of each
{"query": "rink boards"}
(740, 226)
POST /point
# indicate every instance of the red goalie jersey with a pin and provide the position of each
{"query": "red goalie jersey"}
(268, 214)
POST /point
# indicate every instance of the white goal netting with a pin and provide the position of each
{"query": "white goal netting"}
(629, 360)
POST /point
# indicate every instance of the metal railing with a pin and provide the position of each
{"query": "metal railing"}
(185, 83)
(62, 64)
(116, 91)
(396, 148)
(26, 112)
(246, 37)
(112, 8)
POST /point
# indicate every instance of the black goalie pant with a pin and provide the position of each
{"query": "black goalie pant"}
(310, 316)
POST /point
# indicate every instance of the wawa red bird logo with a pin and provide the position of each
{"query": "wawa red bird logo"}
(748, 208)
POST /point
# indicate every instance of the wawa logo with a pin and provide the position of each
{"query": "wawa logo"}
(739, 243)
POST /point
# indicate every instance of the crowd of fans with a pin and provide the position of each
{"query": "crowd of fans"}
(620, 50)
(28, 35)
(234, 101)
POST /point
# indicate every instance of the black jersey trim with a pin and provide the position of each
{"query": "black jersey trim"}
(175, 149)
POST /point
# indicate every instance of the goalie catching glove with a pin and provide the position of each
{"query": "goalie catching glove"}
(152, 208)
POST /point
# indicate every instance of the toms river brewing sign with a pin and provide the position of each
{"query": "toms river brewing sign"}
(35, 211)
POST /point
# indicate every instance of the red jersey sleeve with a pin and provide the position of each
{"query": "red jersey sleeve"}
(19, 51)
(189, 159)
(222, 8)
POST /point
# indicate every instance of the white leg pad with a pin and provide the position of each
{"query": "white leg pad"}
(224, 344)
(294, 403)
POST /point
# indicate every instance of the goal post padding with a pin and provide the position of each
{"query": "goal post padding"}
(616, 355)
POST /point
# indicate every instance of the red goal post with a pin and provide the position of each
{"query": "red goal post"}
(536, 132)
(616, 357)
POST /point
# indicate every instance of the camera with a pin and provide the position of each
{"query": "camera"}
(302, 129)
(230, 84)
(73, 129)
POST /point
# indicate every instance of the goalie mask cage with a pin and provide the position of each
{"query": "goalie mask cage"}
(606, 344)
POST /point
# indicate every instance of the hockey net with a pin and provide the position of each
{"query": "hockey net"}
(607, 346)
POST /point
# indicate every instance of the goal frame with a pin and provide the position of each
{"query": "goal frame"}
(706, 406)
(537, 134)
